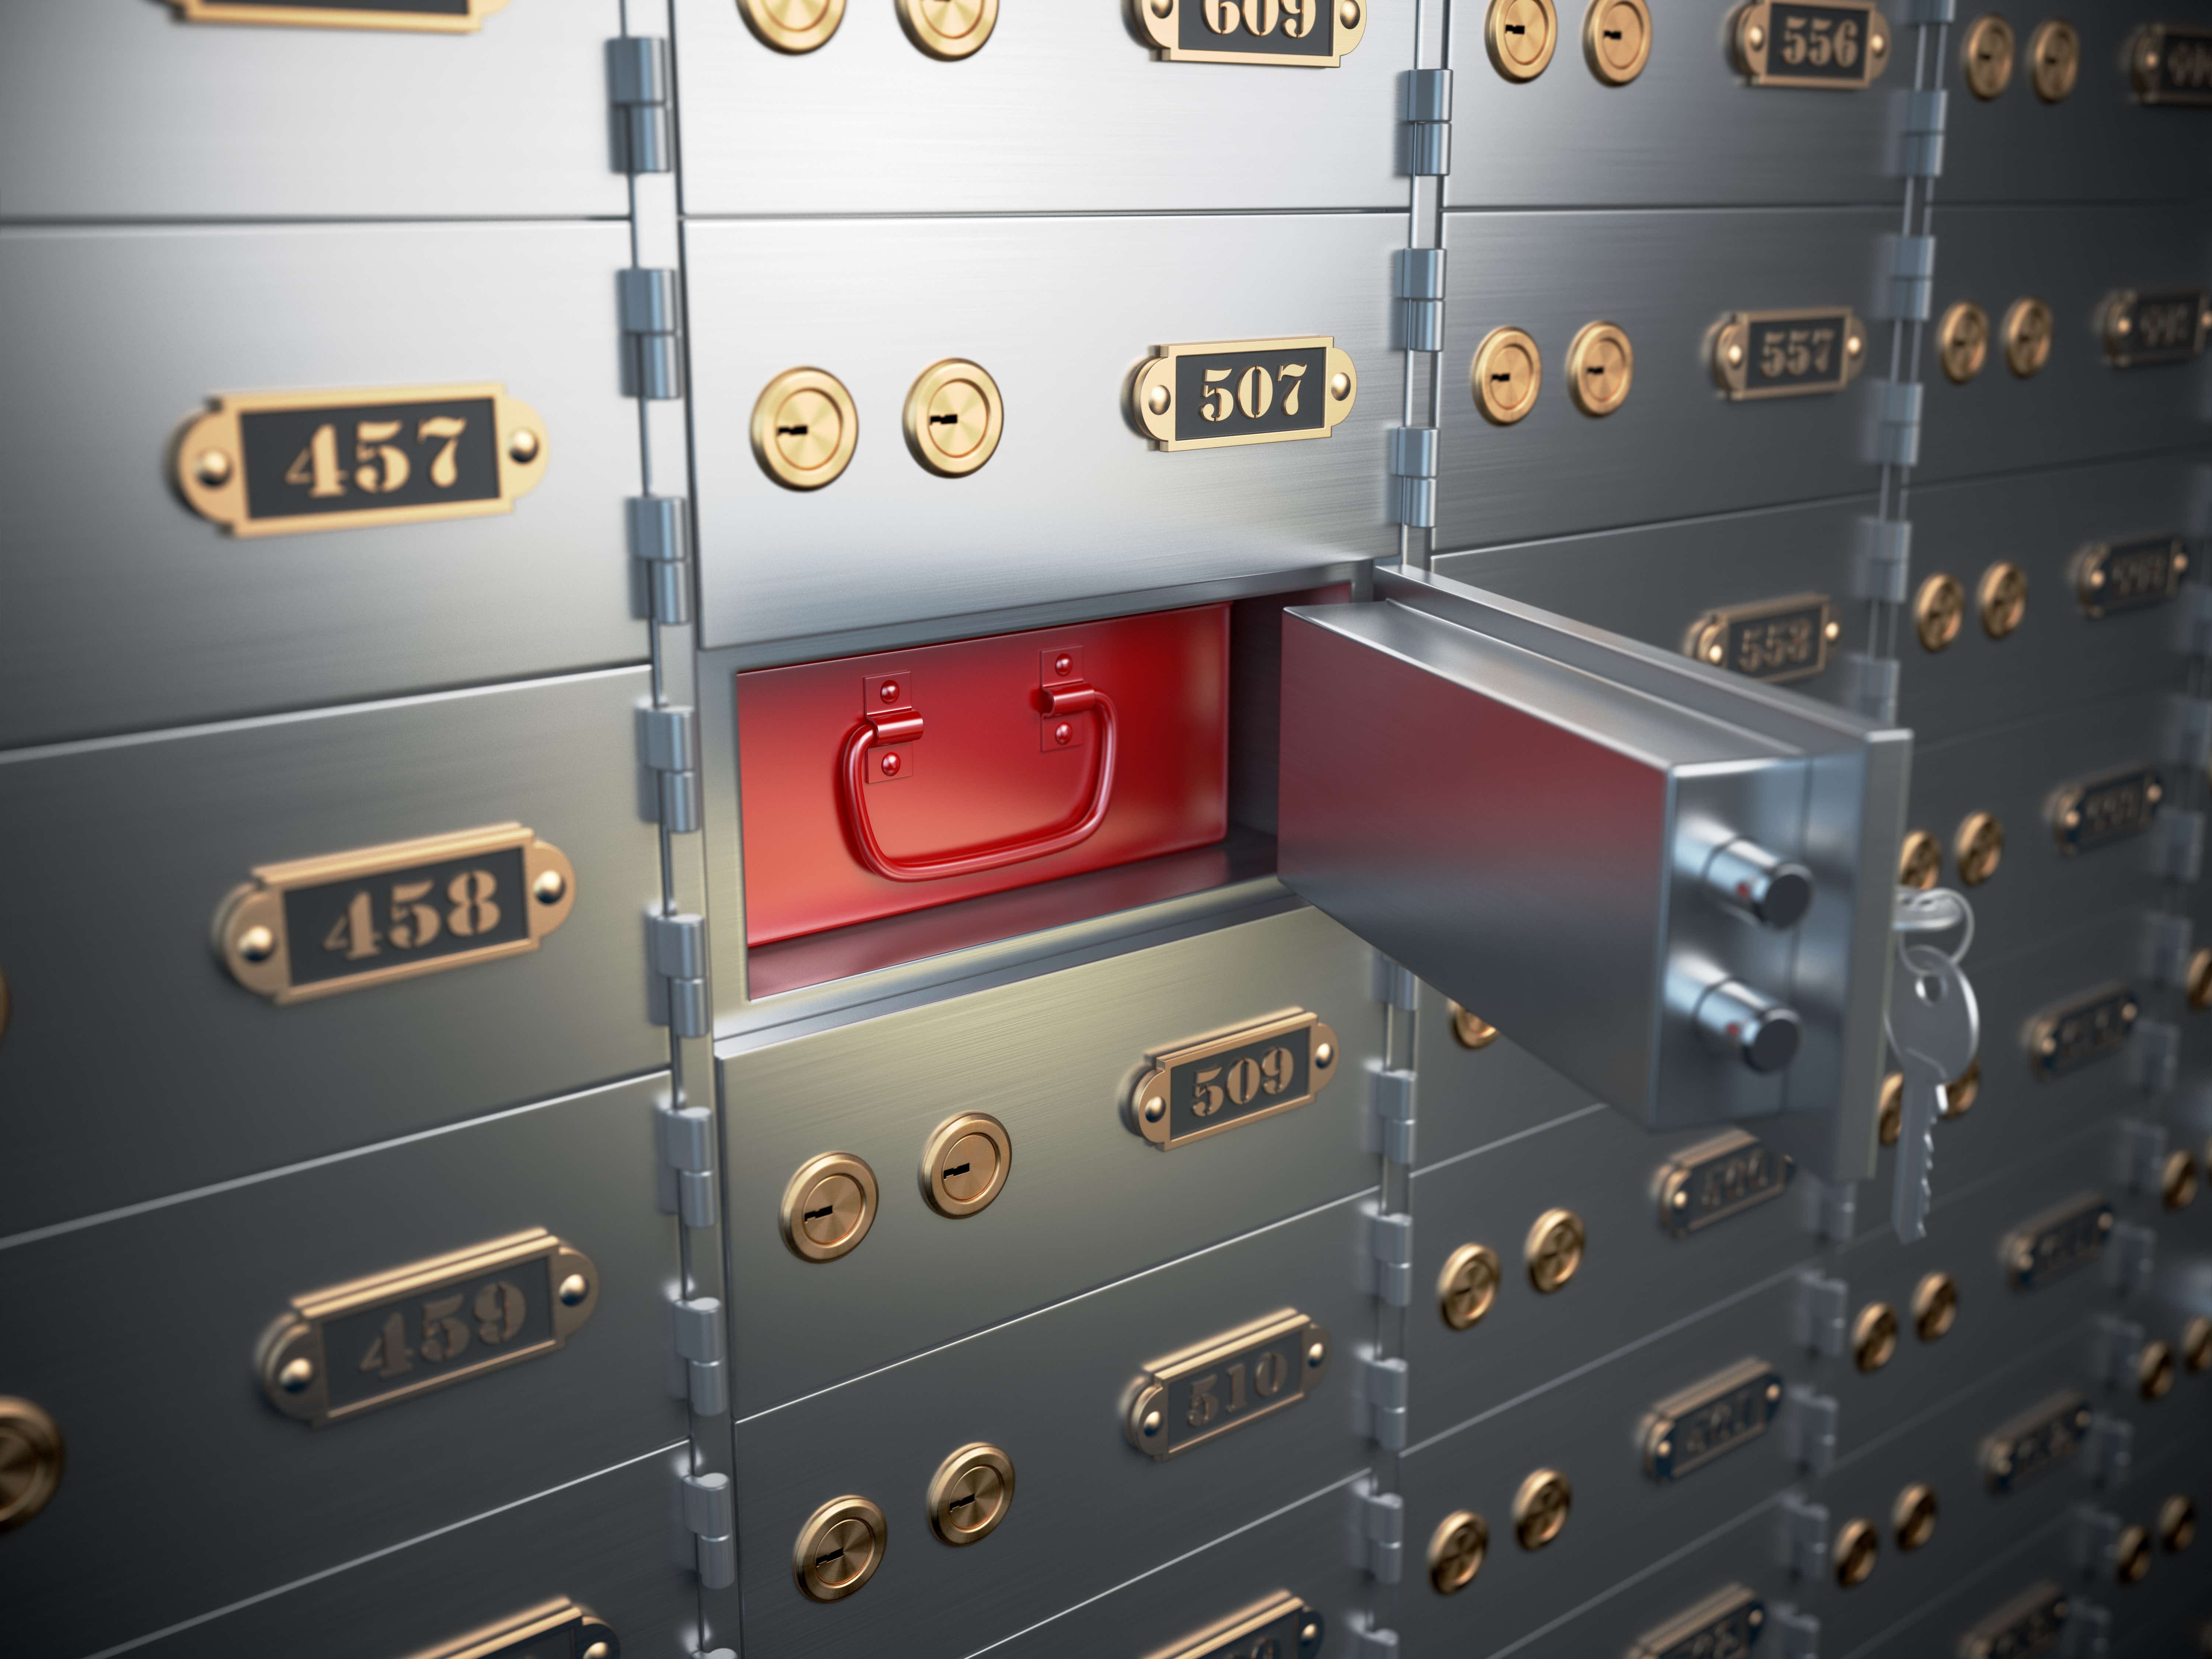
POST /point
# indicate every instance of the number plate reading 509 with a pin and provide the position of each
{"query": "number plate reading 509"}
(1203, 1392)
(1225, 1082)
(1244, 392)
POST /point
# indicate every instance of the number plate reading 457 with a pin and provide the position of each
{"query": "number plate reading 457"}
(1284, 34)
(1225, 1082)
(1203, 1392)
(1788, 354)
(1244, 392)
(1842, 46)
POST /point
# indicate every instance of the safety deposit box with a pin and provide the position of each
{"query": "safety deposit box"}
(875, 785)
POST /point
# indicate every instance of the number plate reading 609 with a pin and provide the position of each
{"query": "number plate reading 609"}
(1281, 33)
(2172, 65)
(1841, 45)
(1203, 1088)
(353, 1347)
(1203, 1392)
(1718, 1178)
(1244, 392)
(1788, 354)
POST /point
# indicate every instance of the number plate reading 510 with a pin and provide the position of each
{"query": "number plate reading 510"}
(1245, 392)
(1788, 354)
(1202, 1393)
(1225, 1082)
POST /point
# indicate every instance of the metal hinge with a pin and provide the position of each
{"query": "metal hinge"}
(1818, 1318)
(1413, 476)
(1421, 297)
(2154, 1055)
(1390, 1125)
(677, 946)
(1829, 1210)
(1428, 122)
(1884, 560)
(2095, 1538)
(2119, 1343)
(2141, 1155)
(2108, 1448)
(698, 1375)
(1379, 1531)
(637, 83)
(2193, 626)
(2128, 1258)
(1368, 1643)
(1808, 1430)
(1911, 278)
(2189, 732)
(686, 1138)
(659, 541)
(1870, 683)
(1925, 12)
(1387, 1263)
(669, 739)
(1898, 444)
(1922, 155)
(710, 1514)
(652, 319)
(2177, 845)
(1797, 1633)
(2087, 1631)
(1394, 987)
(1384, 1385)
(2162, 957)
(1801, 1540)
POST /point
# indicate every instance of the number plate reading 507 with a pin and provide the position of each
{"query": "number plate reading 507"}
(1225, 1082)
(1244, 392)
(1203, 1392)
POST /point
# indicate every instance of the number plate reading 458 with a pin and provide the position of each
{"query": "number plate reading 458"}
(1202, 1393)
(1841, 45)
(1285, 33)
(1224, 1082)
(1245, 392)
(354, 1348)
(1788, 354)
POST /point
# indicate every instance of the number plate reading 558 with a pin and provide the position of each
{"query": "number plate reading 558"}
(1192, 1397)
(1245, 392)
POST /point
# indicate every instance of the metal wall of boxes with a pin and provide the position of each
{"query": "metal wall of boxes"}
(388, 510)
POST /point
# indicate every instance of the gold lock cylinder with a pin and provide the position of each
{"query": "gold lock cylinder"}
(1600, 367)
(31, 1459)
(953, 417)
(1935, 1306)
(793, 25)
(1539, 1507)
(2002, 599)
(1962, 340)
(1521, 35)
(2154, 1369)
(1978, 848)
(1985, 53)
(970, 1493)
(1467, 1288)
(1507, 374)
(2054, 59)
(1874, 1336)
(1889, 1109)
(1912, 1517)
(949, 29)
(1939, 610)
(1919, 860)
(2177, 1179)
(839, 1549)
(805, 427)
(2028, 331)
(828, 1207)
(964, 1164)
(1617, 39)
(1858, 1547)
(1554, 1249)
(1456, 1549)
(1472, 1031)
(2176, 1524)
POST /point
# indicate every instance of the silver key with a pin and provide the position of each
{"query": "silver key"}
(1935, 1027)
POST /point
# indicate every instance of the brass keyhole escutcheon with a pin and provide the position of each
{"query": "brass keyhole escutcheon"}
(805, 427)
(1467, 1286)
(2131, 1555)
(2001, 597)
(1617, 39)
(793, 25)
(1979, 847)
(2028, 329)
(1874, 1336)
(1935, 1306)
(1539, 1507)
(1985, 55)
(1456, 1549)
(1601, 367)
(970, 1493)
(2197, 980)
(828, 1207)
(2197, 1345)
(953, 417)
(949, 29)
(1507, 374)
(1521, 34)
(2176, 1524)
(1919, 860)
(1912, 1517)
(2054, 59)
(1472, 1031)
(839, 1549)
(1939, 609)
(964, 1164)
(2177, 1179)
(31, 1459)
(1858, 1547)
(1962, 342)
(1554, 1249)
(2154, 1369)
(1962, 1091)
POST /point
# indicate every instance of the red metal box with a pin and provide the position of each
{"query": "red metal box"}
(872, 785)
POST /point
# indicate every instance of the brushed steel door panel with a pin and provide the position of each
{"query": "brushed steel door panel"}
(1061, 110)
(135, 1066)
(1089, 1512)
(1470, 1097)
(1073, 503)
(1677, 446)
(1689, 130)
(2079, 407)
(140, 328)
(114, 109)
(162, 1409)
(2059, 656)
(1087, 1201)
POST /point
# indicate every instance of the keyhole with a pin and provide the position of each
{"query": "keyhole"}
(824, 1560)
(1613, 34)
(790, 432)
(961, 1503)
(1517, 28)
(958, 1170)
(816, 1215)
(1501, 380)
(945, 420)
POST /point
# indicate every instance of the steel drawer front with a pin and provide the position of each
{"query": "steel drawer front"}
(1074, 501)
(1088, 1512)
(114, 1025)
(2059, 654)
(143, 327)
(1474, 1089)
(1678, 445)
(2023, 775)
(1633, 1279)
(310, 122)
(1689, 130)
(1622, 1523)
(1062, 109)
(1087, 1201)
(2078, 407)
(164, 1418)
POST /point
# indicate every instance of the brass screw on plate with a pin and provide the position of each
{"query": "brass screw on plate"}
(1539, 1507)
(1919, 860)
(1912, 1518)
(522, 446)
(1456, 1549)
(1979, 847)
(1858, 1547)
(257, 943)
(1935, 1306)
(1467, 1286)
(549, 887)
(296, 1375)
(212, 468)
(1471, 1030)
(1554, 1249)
(573, 1290)
(2002, 598)
(1939, 609)
(1874, 1336)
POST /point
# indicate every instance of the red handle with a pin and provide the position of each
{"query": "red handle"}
(991, 855)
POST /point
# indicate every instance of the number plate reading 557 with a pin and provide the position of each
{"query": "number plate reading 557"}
(1788, 354)
(1225, 1082)
(1194, 1396)
(1245, 392)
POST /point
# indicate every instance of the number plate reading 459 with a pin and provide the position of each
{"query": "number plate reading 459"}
(1841, 45)
(1788, 354)
(1245, 392)
(1202, 1393)
(1285, 33)
(1225, 1082)
(354, 1348)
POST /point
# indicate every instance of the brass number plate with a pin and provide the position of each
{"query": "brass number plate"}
(1726, 1624)
(2031, 1623)
(2111, 578)
(558, 1629)
(425, 16)
(2053, 1243)
(2088, 815)
(1280, 34)
(1281, 1627)
(1842, 46)
(1788, 354)
(2093, 1028)
(2145, 329)
(1227, 1081)
(2172, 65)
(1718, 1178)
(1245, 392)
(1202, 1393)
(1710, 1419)
(316, 926)
(1774, 640)
(353, 1347)
(271, 463)
(2039, 1438)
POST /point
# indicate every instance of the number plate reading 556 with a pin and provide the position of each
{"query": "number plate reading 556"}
(1245, 392)
(1192, 1397)
(1843, 45)
(1225, 1082)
